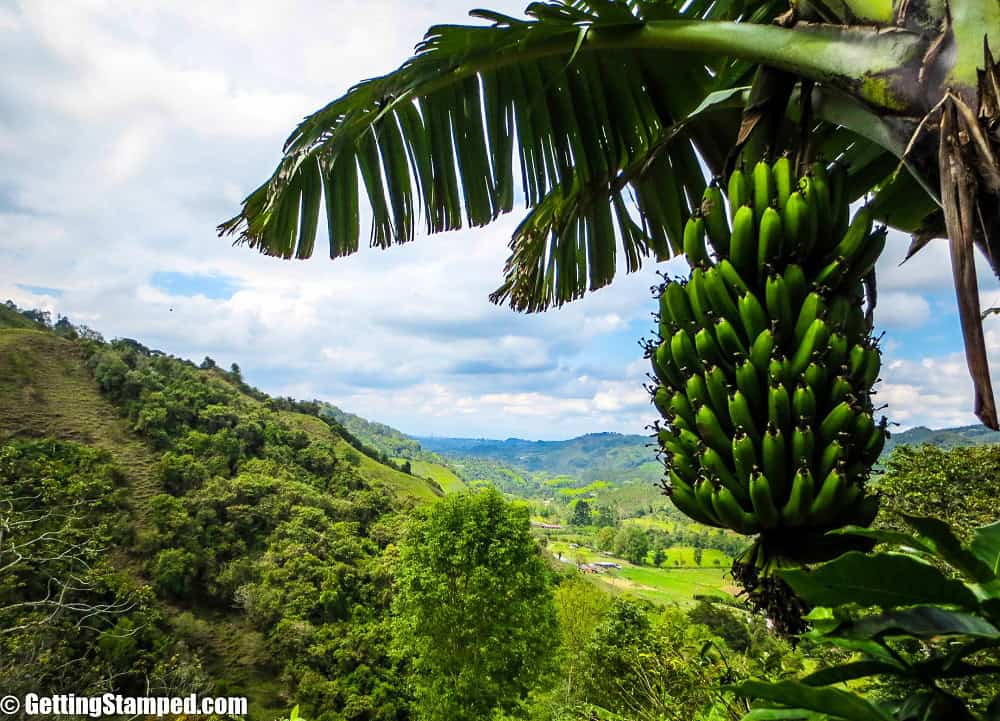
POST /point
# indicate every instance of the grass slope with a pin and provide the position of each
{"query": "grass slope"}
(441, 475)
(45, 391)
(665, 585)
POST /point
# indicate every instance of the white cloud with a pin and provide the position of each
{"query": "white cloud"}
(130, 130)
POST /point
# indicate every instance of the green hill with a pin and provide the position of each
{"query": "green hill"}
(596, 456)
(942, 437)
(220, 484)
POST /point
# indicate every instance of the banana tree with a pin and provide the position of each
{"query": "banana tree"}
(604, 114)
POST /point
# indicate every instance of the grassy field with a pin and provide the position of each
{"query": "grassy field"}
(442, 475)
(664, 585)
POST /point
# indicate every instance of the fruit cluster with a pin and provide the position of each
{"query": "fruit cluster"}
(765, 361)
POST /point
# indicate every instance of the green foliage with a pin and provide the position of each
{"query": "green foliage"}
(960, 485)
(632, 544)
(474, 607)
(72, 623)
(924, 621)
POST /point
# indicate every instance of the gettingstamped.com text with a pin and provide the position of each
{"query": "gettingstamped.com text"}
(110, 704)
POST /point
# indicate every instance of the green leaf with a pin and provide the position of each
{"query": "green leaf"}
(986, 546)
(886, 580)
(822, 700)
(937, 535)
(851, 671)
(922, 622)
(783, 714)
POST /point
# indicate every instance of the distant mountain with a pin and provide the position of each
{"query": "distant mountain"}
(619, 458)
(944, 437)
(596, 456)
(379, 436)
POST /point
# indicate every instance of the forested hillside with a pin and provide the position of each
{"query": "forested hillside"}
(248, 543)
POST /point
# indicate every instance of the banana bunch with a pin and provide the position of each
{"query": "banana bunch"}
(764, 362)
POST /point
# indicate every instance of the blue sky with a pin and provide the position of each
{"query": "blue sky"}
(129, 131)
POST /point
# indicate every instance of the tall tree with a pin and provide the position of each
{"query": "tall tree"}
(475, 613)
(608, 109)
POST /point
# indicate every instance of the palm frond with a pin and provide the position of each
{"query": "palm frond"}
(602, 145)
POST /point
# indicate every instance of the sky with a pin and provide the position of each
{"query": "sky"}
(128, 131)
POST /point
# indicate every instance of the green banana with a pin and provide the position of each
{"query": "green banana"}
(738, 190)
(835, 422)
(743, 242)
(664, 368)
(840, 390)
(708, 348)
(715, 382)
(741, 415)
(839, 204)
(779, 408)
(769, 241)
(704, 491)
(812, 307)
(829, 458)
(753, 317)
(825, 504)
(694, 242)
(779, 306)
(680, 406)
(711, 430)
(836, 354)
(782, 172)
(763, 502)
(763, 189)
(803, 444)
(730, 341)
(854, 239)
(807, 239)
(821, 185)
(866, 261)
(795, 280)
(697, 297)
(713, 210)
(713, 462)
(744, 456)
(777, 370)
(681, 463)
(748, 382)
(734, 282)
(719, 298)
(795, 219)
(674, 304)
(761, 349)
(815, 377)
(683, 496)
(728, 509)
(873, 363)
(813, 341)
(804, 403)
(683, 352)
(661, 399)
(697, 391)
(800, 498)
(774, 453)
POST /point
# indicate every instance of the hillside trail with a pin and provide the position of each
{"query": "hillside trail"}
(46, 390)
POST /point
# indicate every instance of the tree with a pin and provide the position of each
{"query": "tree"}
(579, 89)
(632, 544)
(474, 609)
(581, 514)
